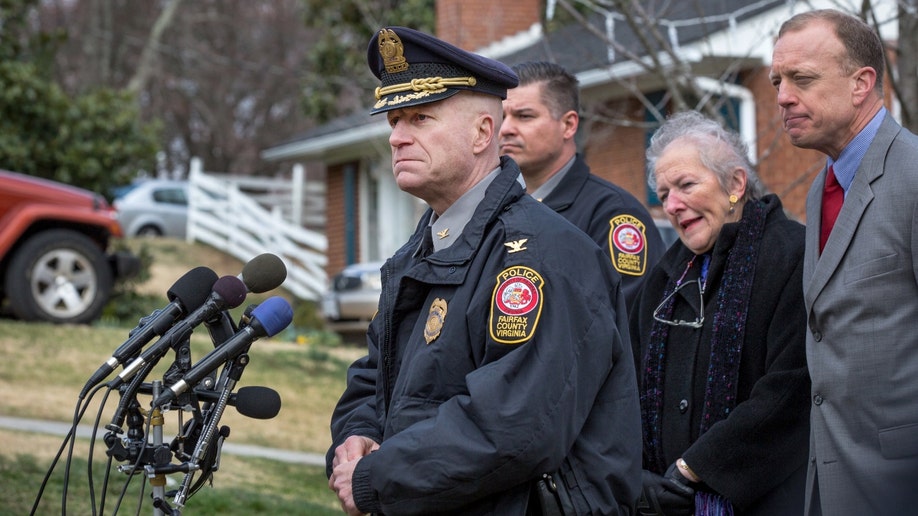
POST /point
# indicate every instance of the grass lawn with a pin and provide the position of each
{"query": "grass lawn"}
(242, 486)
(44, 368)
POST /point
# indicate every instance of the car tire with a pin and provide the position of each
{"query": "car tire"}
(149, 231)
(58, 276)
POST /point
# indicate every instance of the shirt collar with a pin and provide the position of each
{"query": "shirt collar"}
(447, 227)
(850, 158)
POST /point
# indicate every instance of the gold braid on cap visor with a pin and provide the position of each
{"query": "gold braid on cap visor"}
(427, 84)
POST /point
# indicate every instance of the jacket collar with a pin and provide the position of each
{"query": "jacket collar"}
(449, 266)
(563, 196)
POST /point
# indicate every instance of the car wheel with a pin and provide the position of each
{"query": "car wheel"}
(58, 276)
(149, 230)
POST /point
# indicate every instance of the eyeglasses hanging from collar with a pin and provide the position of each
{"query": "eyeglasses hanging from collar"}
(700, 282)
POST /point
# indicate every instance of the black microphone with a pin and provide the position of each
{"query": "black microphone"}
(252, 401)
(257, 402)
(228, 292)
(268, 318)
(263, 273)
(188, 293)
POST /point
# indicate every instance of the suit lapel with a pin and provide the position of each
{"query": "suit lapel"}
(860, 195)
(811, 251)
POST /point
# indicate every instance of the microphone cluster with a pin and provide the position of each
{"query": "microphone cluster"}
(197, 297)
(267, 319)
(205, 387)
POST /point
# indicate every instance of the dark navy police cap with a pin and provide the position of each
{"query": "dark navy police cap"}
(417, 68)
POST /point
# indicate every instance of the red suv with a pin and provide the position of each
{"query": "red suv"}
(55, 263)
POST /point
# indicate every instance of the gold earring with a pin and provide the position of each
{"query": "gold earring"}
(733, 200)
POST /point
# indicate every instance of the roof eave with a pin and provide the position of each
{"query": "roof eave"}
(330, 144)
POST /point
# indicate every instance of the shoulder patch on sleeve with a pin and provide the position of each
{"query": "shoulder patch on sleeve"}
(516, 305)
(628, 245)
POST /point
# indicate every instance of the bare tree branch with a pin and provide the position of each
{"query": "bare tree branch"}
(147, 58)
(906, 81)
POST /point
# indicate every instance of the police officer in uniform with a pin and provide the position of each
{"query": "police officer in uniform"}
(541, 117)
(492, 360)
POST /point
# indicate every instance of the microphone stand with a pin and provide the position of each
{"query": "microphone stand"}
(232, 371)
(203, 429)
(142, 448)
(155, 455)
(157, 480)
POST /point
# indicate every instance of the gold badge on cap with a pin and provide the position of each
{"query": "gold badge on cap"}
(435, 318)
(392, 51)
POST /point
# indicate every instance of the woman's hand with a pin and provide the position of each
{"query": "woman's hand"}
(666, 495)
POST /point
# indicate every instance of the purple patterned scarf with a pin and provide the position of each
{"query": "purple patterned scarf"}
(728, 326)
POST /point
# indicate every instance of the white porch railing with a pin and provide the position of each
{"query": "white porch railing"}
(248, 216)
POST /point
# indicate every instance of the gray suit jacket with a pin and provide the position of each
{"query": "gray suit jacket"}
(862, 345)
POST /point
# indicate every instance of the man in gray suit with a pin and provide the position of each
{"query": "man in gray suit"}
(860, 290)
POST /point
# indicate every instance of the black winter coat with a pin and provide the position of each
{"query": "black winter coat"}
(756, 457)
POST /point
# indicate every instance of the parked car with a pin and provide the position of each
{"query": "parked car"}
(353, 297)
(155, 207)
(55, 258)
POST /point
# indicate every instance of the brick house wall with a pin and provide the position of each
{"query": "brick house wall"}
(335, 217)
(615, 152)
(473, 24)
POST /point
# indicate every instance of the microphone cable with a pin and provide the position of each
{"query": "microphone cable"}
(92, 444)
(108, 464)
(148, 421)
(128, 398)
(69, 437)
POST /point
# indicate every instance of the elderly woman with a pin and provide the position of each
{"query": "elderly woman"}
(718, 336)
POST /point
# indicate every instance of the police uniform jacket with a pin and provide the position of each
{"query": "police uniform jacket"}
(615, 219)
(499, 358)
(756, 457)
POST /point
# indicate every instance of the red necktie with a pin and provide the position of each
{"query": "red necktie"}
(832, 198)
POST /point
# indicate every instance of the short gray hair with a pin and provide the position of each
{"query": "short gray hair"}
(720, 150)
